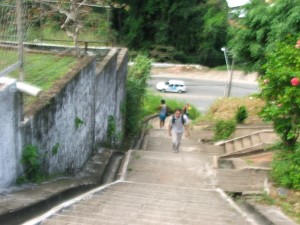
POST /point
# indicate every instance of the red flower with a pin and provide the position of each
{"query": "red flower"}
(295, 81)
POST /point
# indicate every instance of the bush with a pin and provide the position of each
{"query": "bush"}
(286, 168)
(223, 129)
(137, 79)
(30, 160)
(241, 114)
(277, 89)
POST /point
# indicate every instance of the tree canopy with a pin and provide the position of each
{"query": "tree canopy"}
(187, 31)
(251, 37)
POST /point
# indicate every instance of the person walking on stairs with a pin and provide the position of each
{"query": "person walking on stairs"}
(163, 112)
(178, 124)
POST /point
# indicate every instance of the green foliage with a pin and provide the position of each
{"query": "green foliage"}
(254, 35)
(223, 129)
(21, 180)
(266, 199)
(241, 114)
(45, 23)
(194, 113)
(113, 137)
(152, 101)
(282, 99)
(78, 122)
(55, 149)
(31, 162)
(186, 31)
(137, 79)
(286, 168)
(52, 67)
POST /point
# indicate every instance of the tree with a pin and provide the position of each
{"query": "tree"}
(264, 23)
(190, 31)
(72, 23)
(281, 90)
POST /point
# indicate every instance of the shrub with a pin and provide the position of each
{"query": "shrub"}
(137, 79)
(286, 168)
(223, 129)
(241, 114)
(279, 90)
(31, 162)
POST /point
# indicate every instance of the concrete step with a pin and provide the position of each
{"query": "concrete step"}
(131, 203)
(242, 180)
(255, 138)
(186, 169)
(229, 147)
(238, 144)
(159, 144)
(247, 142)
(200, 132)
(268, 137)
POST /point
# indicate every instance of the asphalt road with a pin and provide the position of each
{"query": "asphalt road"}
(202, 93)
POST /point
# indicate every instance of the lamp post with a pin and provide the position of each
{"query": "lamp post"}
(229, 71)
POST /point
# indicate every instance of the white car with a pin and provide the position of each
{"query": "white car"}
(171, 86)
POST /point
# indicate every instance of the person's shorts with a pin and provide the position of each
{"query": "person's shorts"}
(162, 117)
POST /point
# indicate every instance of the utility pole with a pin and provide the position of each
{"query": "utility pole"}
(230, 79)
(230, 73)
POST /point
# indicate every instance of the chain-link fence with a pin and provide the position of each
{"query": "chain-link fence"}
(26, 23)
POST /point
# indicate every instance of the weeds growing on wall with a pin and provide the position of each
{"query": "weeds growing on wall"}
(78, 122)
(55, 149)
(31, 161)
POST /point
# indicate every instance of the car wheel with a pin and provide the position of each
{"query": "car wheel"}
(163, 90)
(179, 91)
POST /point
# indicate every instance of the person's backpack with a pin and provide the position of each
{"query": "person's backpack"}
(182, 119)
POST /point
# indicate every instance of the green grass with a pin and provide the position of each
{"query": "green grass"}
(7, 58)
(43, 70)
(224, 67)
(58, 36)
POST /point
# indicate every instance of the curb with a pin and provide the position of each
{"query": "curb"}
(25, 212)
(235, 206)
(67, 204)
(252, 208)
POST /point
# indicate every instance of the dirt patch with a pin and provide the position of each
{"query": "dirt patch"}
(201, 72)
(226, 108)
(260, 160)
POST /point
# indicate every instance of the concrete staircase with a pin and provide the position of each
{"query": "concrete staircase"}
(234, 174)
(133, 203)
(248, 143)
(159, 187)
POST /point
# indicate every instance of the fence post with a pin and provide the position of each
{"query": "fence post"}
(20, 37)
(85, 47)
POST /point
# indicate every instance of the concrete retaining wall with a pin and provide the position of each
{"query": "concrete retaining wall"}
(10, 153)
(66, 122)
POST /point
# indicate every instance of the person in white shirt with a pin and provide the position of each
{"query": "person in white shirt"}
(178, 124)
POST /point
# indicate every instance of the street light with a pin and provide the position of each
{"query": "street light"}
(230, 73)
